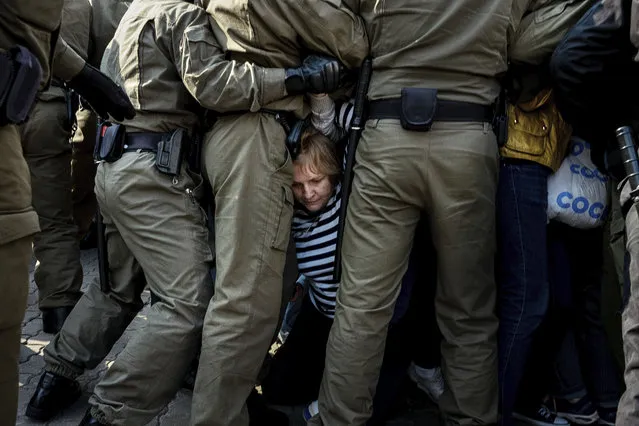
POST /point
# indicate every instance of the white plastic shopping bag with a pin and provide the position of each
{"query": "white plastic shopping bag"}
(578, 192)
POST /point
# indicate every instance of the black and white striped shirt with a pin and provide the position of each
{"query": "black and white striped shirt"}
(315, 238)
(315, 235)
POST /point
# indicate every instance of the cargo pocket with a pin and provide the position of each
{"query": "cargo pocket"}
(283, 218)
(528, 132)
(193, 194)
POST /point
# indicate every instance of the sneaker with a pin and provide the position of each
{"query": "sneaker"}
(541, 417)
(311, 411)
(90, 240)
(281, 336)
(607, 416)
(582, 412)
(429, 380)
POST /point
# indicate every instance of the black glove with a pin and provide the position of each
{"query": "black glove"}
(318, 74)
(104, 96)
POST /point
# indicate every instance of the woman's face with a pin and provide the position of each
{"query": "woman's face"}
(312, 190)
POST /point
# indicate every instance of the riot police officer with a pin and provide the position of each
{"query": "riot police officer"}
(252, 189)
(164, 53)
(26, 69)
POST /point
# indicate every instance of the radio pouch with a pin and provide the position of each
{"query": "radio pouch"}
(19, 84)
(110, 144)
(171, 151)
(419, 107)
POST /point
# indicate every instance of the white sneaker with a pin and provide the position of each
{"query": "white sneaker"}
(430, 380)
(311, 410)
(281, 336)
(541, 417)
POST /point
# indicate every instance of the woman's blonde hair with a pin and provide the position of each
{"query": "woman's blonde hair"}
(318, 153)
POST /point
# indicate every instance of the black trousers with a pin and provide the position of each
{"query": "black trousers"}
(575, 271)
(296, 370)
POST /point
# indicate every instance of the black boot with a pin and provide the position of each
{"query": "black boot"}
(53, 318)
(261, 415)
(89, 420)
(90, 239)
(189, 380)
(53, 394)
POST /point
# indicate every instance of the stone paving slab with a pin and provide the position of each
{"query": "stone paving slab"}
(176, 413)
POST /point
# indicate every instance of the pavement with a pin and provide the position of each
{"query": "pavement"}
(416, 410)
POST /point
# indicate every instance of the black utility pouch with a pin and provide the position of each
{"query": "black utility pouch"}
(500, 121)
(110, 144)
(20, 82)
(419, 107)
(171, 151)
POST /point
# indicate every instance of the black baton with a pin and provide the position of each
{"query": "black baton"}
(356, 131)
(103, 256)
(626, 141)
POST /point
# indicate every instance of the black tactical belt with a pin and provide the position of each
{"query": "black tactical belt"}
(446, 111)
(143, 141)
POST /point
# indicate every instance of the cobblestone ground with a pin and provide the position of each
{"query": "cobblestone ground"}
(417, 411)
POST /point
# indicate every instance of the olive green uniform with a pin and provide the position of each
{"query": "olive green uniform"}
(450, 172)
(168, 61)
(45, 140)
(58, 272)
(95, 34)
(628, 411)
(31, 24)
(251, 175)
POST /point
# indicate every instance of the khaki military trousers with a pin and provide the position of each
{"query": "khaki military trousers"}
(58, 272)
(83, 170)
(450, 173)
(251, 174)
(628, 412)
(18, 222)
(155, 230)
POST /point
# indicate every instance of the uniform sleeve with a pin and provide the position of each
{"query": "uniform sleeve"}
(66, 62)
(32, 24)
(217, 83)
(614, 9)
(330, 27)
(634, 26)
(517, 12)
(542, 29)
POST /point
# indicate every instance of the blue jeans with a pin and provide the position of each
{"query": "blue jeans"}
(522, 273)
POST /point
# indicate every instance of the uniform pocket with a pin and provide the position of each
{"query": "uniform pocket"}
(283, 218)
(193, 195)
